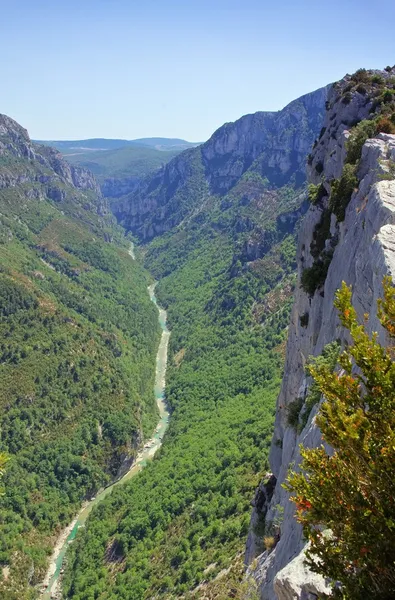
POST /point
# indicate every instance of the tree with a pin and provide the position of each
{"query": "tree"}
(3, 461)
(345, 501)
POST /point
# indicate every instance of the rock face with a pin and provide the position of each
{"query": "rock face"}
(46, 171)
(363, 246)
(275, 143)
(113, 187)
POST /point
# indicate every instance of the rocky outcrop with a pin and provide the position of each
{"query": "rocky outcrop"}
(273, 144)
(297, 582)
(46, 172)
(363, 247)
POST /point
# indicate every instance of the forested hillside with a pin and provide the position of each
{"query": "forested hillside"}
(78, 337)
(119, 165)
(125, 162)
(226, 275)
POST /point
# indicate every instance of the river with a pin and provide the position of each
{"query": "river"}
(50, 587)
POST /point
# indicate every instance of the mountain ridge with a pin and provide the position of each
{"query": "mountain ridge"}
(100, 144)
(273, 145)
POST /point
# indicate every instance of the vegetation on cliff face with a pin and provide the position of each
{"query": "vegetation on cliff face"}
(378, 93)
(78, 337)
(345, 501)
(266, 146)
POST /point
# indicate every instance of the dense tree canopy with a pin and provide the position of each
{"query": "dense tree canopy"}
(185, 518)
(78, 337)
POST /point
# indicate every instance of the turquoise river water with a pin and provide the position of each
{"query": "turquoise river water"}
(50, 587)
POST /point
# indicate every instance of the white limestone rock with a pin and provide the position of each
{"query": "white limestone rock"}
(364, 254)
(297, 582)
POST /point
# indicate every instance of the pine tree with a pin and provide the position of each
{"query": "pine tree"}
(345, 501)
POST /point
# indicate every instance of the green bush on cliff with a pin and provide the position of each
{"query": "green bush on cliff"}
(341, 191)
(345, 501)
(316, 192)
(314, 277)
(359, 134)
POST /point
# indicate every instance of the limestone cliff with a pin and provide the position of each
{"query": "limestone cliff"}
(43, 172)
(272, 144)
(357, 247)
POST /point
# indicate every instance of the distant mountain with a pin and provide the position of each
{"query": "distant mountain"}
(130, 162)
(166, 143)
(119, 165)
(100, 144)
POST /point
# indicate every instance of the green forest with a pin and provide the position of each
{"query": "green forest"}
(128, 161)
(185, 518)
(78, 338)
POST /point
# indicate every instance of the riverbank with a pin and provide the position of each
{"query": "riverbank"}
(49, 588)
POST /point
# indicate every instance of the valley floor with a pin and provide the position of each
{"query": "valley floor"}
(184, 520)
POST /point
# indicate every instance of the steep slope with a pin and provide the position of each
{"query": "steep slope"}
(347, 234)
(226, 273)
(271, 145)
(78, 337)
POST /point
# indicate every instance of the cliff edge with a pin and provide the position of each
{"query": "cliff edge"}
(347, 234)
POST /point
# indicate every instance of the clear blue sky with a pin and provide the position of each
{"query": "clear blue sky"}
(176, 68)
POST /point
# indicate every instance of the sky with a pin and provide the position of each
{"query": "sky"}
(176, 68)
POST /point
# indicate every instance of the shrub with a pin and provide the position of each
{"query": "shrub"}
(293, 411)
(342, 190)
(377, 79)
(345, 501)
(321, 233)
(347, 98)
(390, 174)
(314, 277)
(269, 542)
(385, 125)
(358, 136)
(388, 95)
(361, 76)
(316, 192)
(361, 89)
